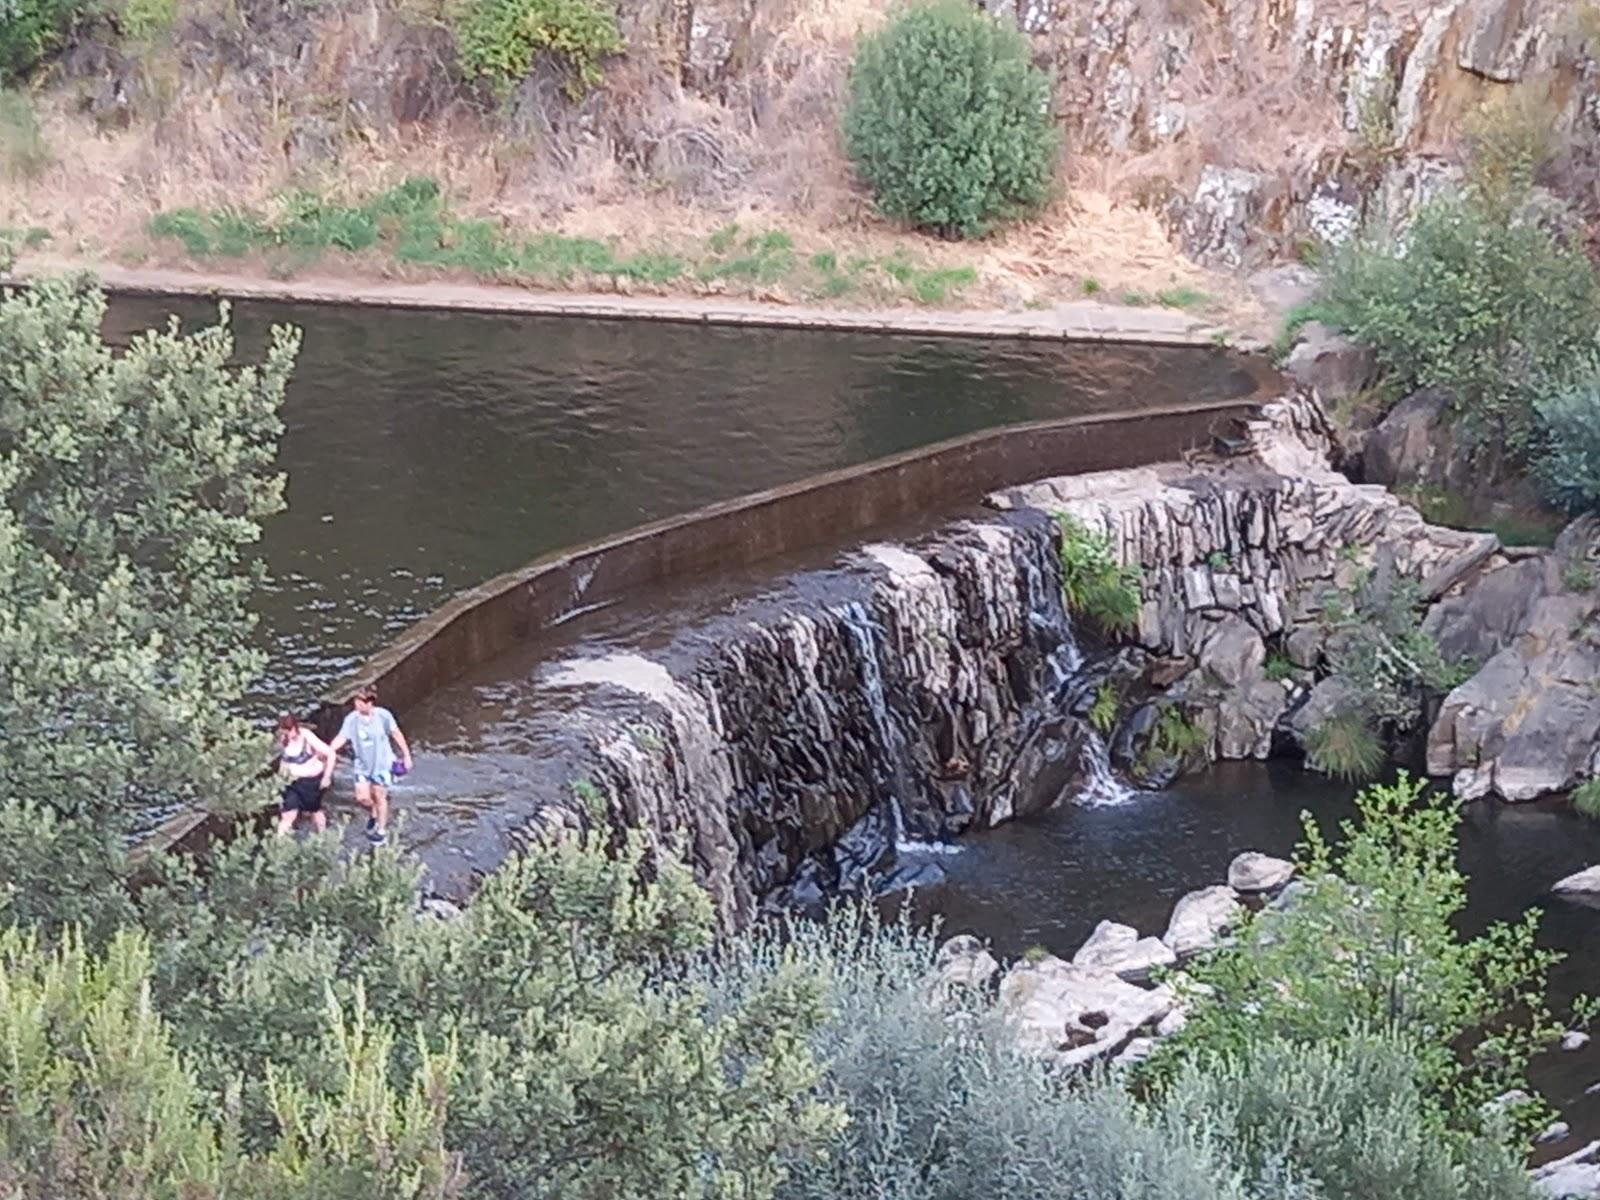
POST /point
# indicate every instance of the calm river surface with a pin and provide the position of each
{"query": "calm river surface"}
(427, 452)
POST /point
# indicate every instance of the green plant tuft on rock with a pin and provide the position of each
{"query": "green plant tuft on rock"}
(1103, 712)
(1093, 583)
(948, 122)
(1586, 798)
(1346, 746)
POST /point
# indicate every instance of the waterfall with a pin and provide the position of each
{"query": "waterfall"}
(834, 734)
(1104, 789)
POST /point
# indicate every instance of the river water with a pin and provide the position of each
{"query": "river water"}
(1048, 880)
(427, 452)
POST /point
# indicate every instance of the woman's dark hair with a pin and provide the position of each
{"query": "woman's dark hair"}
(288, 723)
(367, 691)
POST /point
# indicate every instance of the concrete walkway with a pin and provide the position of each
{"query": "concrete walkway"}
(1078, 321)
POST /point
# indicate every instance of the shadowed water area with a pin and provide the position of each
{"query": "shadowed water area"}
(428, 452)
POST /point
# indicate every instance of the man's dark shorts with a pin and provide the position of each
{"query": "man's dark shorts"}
(303, 795)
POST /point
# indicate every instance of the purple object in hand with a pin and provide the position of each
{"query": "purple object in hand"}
(398, 770)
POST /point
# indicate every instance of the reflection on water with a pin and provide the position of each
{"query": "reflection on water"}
(427, 452)
(1049, 879)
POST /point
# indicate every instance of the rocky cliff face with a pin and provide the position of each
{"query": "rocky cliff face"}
(1240, 555)
(1258, 124)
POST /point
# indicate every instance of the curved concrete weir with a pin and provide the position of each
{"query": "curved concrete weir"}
(745, 683)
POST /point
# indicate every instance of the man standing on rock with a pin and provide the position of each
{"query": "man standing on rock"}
(373, 736)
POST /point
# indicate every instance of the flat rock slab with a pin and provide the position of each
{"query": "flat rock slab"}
(1120, 950)
(1075, 1015)
(1580, 883)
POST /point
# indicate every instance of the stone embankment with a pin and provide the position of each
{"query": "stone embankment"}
(920, 689)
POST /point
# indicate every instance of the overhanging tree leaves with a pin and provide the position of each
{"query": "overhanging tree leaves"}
(134, 487)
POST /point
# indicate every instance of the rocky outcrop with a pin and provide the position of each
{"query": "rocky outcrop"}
(1380, 89)
(1243, 552)
(1528, 722)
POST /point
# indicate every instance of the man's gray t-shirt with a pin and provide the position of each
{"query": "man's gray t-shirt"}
(369, 740)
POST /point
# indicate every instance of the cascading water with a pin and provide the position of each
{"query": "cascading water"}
(833, 733)
(1101, 786)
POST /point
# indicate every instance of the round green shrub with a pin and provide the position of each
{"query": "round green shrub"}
(948, 122)
(1569, 468)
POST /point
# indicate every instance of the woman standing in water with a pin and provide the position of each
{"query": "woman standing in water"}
(305, 762)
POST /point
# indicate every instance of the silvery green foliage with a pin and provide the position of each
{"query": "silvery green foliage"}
(941, 1109)
(135, 485)
(1350, 1115)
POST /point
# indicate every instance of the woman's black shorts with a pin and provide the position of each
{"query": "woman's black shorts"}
(303, 795)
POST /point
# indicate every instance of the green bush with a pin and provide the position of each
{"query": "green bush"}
(947, 120)
(1093, 583)
(1369, 943)
(1569, 468)
(499, 41)
(1480, 297)
(133, 485)
(23, 149)
(1586, 798)
(31, 30)
(1388, 665)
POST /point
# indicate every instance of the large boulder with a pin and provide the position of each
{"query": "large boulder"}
(1120, 950)
(1073, 1014)
(1528, 722)
(1200, 917)
(1331, 363)
(1412, 445)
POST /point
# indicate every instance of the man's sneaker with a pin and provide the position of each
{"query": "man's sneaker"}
(376, 836)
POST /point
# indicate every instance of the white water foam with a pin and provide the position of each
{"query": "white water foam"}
(1104, 789)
